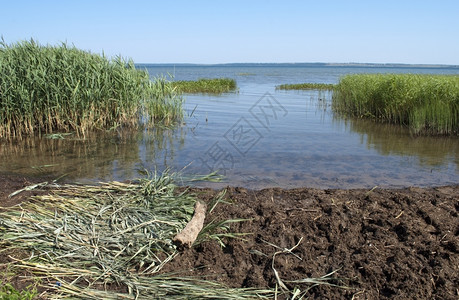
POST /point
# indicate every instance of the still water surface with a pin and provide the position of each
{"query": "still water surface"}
(258, 137)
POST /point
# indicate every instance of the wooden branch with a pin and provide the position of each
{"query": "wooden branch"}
(188, 235)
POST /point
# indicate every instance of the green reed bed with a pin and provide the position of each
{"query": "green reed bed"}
(44, 89)
(206, 86)
(427, 104)
(306, 86)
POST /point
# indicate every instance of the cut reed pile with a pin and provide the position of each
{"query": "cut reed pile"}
(306, 86)
(44, 89)
(426, 103)
(109, 241)
(206, 86)
(82, 239)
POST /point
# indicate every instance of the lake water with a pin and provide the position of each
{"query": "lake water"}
(257, 137)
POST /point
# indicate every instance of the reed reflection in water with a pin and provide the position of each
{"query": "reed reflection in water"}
(105, 156)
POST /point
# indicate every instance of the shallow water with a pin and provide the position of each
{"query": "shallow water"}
(257, 137)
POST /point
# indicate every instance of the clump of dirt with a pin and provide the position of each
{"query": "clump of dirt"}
(13, 183)
(384, 244)
(381, 244)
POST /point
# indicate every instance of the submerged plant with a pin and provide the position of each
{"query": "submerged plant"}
(48, 89)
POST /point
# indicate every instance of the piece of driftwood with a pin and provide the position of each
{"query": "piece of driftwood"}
(188, 235)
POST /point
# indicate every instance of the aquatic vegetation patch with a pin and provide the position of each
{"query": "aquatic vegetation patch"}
(306, 86)
(206, 86)
(48, 89)
(425, 103)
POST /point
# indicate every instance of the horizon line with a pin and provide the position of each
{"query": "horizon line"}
(305, 63)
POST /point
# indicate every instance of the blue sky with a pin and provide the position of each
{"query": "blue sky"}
(422, 32)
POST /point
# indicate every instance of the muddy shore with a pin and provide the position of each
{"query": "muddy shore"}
(382, 243)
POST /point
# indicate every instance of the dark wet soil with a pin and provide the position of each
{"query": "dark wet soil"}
(382, 244)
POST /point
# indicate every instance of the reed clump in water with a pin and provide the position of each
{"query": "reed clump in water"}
(306, 86)
(206, 86)
(44, 89)
(426, 103)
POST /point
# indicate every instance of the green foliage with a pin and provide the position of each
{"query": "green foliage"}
(218, 231)
(306, 86)
(44, 89)
(208, 86)
(8, 292)
(425, 103)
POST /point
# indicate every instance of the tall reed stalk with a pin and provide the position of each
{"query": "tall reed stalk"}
(426, 103)
(44, 89)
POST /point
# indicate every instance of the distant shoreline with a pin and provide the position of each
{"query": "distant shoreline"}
(350, 65)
